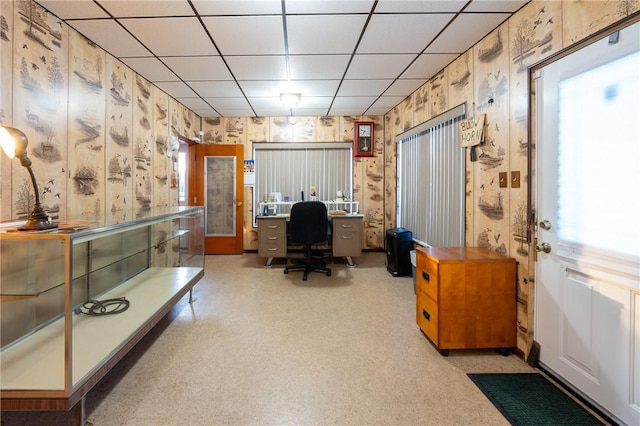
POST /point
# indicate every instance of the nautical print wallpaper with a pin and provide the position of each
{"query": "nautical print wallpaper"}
(93, 124)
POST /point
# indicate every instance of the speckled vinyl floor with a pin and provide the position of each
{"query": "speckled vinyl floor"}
(258, 347)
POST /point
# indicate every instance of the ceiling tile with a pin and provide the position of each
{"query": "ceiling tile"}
(110, 36)
(261, 35)
(428, 65)
(177, 89)
(237, 7)
(246, 112)
(167, 36)
(258, 67)
(361, 102)
(311, 67)
(328, 7)
(401, 33)
(151, 69)
(378, 66)
(402, 87)
(208, 89)
(332, 34)
(388, 102)
(457, 39)
(198, 67)
(420, 6)
(363, 87)
(495, 5)
(193, 103)
(73, 9)
(139, 9)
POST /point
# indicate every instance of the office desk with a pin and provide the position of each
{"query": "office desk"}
(345, 239)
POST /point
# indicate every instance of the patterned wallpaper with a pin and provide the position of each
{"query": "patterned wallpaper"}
(97, 130)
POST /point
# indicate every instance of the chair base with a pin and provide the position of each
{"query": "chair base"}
(308, 266)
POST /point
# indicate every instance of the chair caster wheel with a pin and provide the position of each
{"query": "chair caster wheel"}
(329, 273)
(286, 271)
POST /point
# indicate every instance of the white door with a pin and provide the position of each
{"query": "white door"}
(587, 292)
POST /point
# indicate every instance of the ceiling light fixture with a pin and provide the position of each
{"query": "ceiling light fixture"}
(290, 100)
(14, 143)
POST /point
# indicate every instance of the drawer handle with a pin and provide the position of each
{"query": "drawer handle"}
(272, 249)
(426, 315)
(347, 226)
(272, 226)
(345, 237)
(425, 275)
(272, 238)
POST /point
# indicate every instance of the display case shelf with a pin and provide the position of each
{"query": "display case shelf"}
(52, 353)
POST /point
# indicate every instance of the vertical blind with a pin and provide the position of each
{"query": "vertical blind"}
(292, 168)
(431, 179)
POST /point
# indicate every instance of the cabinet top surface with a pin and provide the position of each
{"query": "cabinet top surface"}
(97, 224)
(443, 254)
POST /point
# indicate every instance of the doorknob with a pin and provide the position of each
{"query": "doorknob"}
(545, 224)
(544, 247)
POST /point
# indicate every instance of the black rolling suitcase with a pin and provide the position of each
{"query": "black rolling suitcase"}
(399, 243)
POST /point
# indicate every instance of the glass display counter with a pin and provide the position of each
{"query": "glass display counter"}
(75, 299)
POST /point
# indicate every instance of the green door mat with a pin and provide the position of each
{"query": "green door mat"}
(530, 399)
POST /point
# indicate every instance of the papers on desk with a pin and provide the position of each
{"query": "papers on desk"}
(337, 212)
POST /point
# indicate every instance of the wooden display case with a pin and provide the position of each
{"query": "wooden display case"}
(466, 298)
(52, 352)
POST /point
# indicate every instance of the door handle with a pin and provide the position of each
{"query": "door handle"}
(545, 224)
(543, 247)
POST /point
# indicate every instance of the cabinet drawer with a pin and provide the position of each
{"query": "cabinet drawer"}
(273, 245)
(427, 275)
(427, 316)
(272, 225)
(347, 236)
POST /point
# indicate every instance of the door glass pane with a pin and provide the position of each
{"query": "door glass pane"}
(598, 156)
(220, 193)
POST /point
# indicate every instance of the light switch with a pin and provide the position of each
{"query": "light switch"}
(502, 180)
(515, 179)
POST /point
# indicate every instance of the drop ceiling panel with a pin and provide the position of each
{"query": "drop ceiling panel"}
(109, 35)
(261, 35)
(328, 7)
(345, 57)
(258, 67)
(495, 6)
(429, 64)
(200, 68)
(413, 6)
(402, 33)
(312, 67)
(69, 9)
(237, 7)
(332, 34)
(457, 39)
(363, 87)
(139, 9)
(151, 69)
(400, 87)
(177, 89)
(208, 89)
(194, 103)
(378, 66)
(171, 36)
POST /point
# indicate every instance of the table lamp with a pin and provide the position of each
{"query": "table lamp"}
(14, 143)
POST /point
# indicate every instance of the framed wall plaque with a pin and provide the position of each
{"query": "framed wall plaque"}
(363, 140)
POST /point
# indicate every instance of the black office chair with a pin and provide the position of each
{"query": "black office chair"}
(309, 225)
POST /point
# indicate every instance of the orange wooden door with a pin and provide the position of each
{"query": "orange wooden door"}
(218, 185)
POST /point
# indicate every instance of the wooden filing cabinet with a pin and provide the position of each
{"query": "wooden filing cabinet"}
(466, 298)
(272, 237)
(347, 236)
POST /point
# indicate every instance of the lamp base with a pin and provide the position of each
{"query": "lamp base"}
(38, 221)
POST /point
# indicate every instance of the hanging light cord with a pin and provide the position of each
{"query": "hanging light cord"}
(105, 307)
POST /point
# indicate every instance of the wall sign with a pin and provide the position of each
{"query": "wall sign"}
(363, 140)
